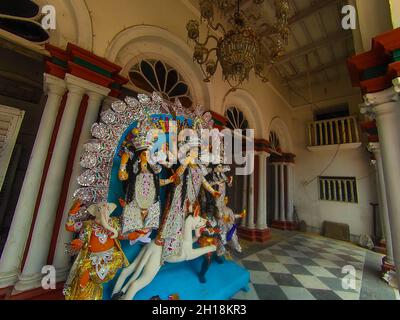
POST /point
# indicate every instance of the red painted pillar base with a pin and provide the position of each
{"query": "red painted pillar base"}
(381, 247)
(387, 266)
(284, 225)
(254, 234)
(34, 294)
(5, 292)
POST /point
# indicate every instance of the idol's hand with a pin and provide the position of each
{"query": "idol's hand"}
(84, 279)
(75, 207)
(133, 236)
(216, 194)
(175, 179)
(123, 175)
(244, 213)
(76, 244)
(122, 202)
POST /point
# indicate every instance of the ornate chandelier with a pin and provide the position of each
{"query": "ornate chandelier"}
(242, 48)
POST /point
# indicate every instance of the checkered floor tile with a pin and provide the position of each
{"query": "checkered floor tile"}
(303, 267)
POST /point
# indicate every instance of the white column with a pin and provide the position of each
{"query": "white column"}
(282, 191)
(20, 226)
(43, 229)
(262, 191)
(290, 186)
(61, 260)
(383, 206)
(250, 216)
(244, 199)
(387, 110)
(276, 192)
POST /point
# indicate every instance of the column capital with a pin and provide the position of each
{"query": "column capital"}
(379, 103)
(263, 154)
(54, 85)
(367, 110)
(282, 163)
(96, 97)
(374, 147)
(381, 97)
(396, 84)
(75, 89)
(88, 87)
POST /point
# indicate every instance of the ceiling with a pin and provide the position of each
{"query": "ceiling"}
(318, 45)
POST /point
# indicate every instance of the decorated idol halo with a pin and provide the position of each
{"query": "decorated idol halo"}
(100, 151)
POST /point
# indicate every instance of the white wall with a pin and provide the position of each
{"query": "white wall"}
(395, 12)
(368, 27)
(347, 163)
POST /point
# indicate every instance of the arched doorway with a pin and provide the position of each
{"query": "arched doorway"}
(242, 112)
(152, 43)
(281, 178)
(237, 193)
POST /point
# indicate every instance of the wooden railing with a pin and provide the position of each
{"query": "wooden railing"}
(333, 131)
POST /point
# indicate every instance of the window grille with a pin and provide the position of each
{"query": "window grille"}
(341, 189)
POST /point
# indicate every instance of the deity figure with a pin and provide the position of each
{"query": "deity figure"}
(149, 261)
(210, 235)
(141, 211)
(98, 250)
(188, 178)
(219, 182)
(229, 227)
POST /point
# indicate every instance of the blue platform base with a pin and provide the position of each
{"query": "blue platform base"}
(223, 281)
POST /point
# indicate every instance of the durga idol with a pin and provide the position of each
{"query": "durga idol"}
(141, 213)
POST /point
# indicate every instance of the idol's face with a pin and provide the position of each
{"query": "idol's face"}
(194, 153)
(102, 214)
(144, 156)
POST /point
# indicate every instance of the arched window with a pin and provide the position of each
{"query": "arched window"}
(236, 119)
(274, 141)
(154, 75)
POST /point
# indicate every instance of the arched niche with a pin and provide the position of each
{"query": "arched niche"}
(73, 23)
(279, 127)
(150, 75)
(245, 102)
(151, 42)
(236, 119)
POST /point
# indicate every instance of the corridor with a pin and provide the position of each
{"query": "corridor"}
(302, 266)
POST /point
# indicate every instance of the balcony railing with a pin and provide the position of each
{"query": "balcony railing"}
(333, 132)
